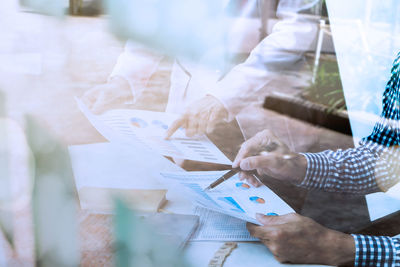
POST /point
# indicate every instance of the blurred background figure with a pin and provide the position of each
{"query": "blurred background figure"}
(206, 94)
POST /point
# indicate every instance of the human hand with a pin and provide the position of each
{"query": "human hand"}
(293, 238)
(107, 96)
(268, 155)
(201, 117)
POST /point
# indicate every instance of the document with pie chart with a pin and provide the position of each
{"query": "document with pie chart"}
(233, 197)
(147, 128)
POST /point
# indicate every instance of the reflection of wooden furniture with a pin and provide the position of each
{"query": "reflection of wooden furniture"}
(75, 6)
(85, 8)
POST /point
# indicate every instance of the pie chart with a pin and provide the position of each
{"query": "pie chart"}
(257, 200)
(242, 186)
(138, 123)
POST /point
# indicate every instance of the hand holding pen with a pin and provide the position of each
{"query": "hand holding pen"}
(280, 162)
(249, 175)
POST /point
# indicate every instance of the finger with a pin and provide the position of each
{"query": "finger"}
(249, 177)
(250, 147)
(90, 97)
(212, 121)
(244, 175)
(203, 123)
(175, 126)
(99, 106)
(254, 181)
(251, 227)
(271, 220)
(256, 162)
(292, 217)
(243, 152)
(191, 126)
(261, 232)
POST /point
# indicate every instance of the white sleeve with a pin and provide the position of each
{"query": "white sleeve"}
(136, 65)
(282, 50)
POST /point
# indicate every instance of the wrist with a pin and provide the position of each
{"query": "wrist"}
(300, 165)
(340, 248)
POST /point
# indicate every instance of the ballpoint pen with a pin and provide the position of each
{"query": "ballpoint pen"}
(269, 148)
(223, 178)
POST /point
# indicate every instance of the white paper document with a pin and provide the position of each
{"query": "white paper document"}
(149, 128)
(215, 226)
(233, 197)
(107, 167)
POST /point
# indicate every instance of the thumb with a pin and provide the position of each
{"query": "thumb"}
(268, 219)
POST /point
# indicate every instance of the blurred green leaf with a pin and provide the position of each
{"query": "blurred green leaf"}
(136, 244)
(6, 216)
(327, 89)
(54, 200)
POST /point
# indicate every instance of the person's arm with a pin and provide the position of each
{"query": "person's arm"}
(366, 169)
(127, 80)
(376, 251)
(371, 167)
(280, 51)
(136, 65)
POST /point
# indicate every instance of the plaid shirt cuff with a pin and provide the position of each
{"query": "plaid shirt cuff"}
(376, 251)
(317, 171)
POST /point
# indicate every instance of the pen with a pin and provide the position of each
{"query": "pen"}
(223, 178)
(270, 147)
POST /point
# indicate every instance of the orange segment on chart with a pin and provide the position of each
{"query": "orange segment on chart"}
(243, 186)
(258, 200)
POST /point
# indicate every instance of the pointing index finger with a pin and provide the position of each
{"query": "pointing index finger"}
(174, 127)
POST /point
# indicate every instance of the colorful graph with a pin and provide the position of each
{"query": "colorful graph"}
(139, 123)
(258, 200)
(233, 203)
(199, 191)
(160, 124)
(242, 186)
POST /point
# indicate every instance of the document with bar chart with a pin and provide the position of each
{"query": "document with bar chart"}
(233, 197)
(141, 127)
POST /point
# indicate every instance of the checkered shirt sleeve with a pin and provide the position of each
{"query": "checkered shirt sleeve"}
(371, 167)
(376, 251)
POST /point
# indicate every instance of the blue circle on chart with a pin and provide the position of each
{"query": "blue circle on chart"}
(160, 124)
(139, 123)
(272, 214)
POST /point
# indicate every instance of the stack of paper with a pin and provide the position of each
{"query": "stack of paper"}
(104, 171)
